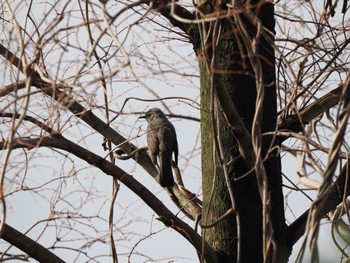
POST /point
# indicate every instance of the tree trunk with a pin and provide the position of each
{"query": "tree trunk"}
(233, 72)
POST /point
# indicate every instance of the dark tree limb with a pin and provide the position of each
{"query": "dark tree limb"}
(10, 88)
(169, 9)
(329, 201)
(31, 119)
(29, 246)
(310, 112)
(166, 216)
(178, 16)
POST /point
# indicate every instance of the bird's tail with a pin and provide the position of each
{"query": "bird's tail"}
(166, 178)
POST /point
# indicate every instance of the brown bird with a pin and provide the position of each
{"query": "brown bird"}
(162, 143)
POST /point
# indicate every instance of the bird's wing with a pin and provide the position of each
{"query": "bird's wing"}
(153, 143)
(167, 140)
(166, 137)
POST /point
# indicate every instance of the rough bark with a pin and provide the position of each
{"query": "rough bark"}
(234, 73)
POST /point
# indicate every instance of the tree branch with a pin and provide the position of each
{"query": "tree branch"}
(10, 57)
(169, 8)
(166, 216)
(29, 246)
(312, 111)
(335, 194)
(12, 87)
(56, 92)
(33, 120)
(331, 198)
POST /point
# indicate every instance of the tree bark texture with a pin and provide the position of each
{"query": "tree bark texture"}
(233, 71)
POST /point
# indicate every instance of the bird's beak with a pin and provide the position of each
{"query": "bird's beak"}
(142, 117)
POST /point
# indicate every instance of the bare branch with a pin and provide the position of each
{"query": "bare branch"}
(11, 88)
(329, 201)
(56, 91)
(312, 111)
(166, 216)
(31, 119)
(28, 245)
(167, 9)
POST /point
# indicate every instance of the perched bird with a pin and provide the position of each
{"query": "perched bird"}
(162, 143)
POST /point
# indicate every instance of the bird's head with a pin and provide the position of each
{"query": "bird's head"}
(152, 113)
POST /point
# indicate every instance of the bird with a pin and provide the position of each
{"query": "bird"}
(162, 143)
